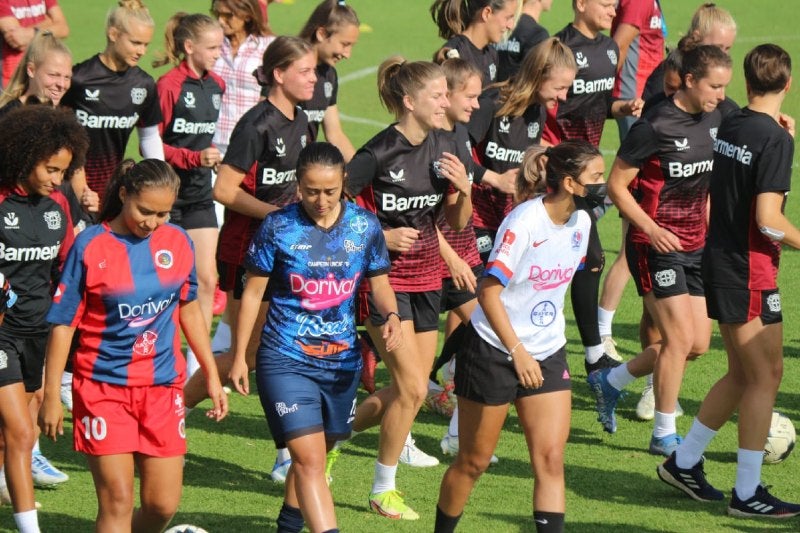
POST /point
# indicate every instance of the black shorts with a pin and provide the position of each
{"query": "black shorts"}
(665, 275)
(739, 306)
(231, 278)
(421, 307)
(452, 297)
(486, 375)
(22, 360)
(194, 216)
(484, 240)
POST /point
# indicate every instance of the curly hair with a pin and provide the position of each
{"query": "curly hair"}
(30, 135)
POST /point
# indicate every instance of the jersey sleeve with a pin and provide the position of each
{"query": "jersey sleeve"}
(773, 170)
(151, 110)
(511, 243)
(361, 171)
(640, 143)
(481, 118)
(189, 288)
(633, 12)
(260, 256)
(335, 93)
(68, 303)
(168, 94)
(245, 146)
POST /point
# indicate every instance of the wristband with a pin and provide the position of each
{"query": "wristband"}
(511, 351)
(395, 313)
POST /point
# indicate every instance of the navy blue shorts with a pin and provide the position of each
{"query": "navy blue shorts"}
(300, 399)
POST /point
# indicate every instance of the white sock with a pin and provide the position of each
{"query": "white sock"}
(748, 472)
(593, 353)
(282, 455)
(384, 478)
(66, 378)
(453, 429)
(222, 338)
(664, 424)
(691, 449)
(35, 449)
(409, 440)
(192, 365)
(27, 521)
(619, 377)
(604, 320)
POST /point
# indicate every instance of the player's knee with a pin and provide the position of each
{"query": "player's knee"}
(549, 461)
(473, 465)
(116, 498)
(19, 437)
(160, 509)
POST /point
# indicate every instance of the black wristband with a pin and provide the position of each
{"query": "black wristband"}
(395, 313)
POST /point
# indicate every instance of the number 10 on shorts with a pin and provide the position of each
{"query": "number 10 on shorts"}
(95, 428)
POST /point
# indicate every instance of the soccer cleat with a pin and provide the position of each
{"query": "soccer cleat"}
(333, 455)
(391, 505)
(280, 470)
(605, 361)
(5, 497)
(220, 302)
(762, 504)
(413, 456)
(692, 481)
(370, 362)
(610, 347)
(441, 400)
(449, 444)
(646, 408)
(66, 391)
(606, 398)
(44, 473)
(665, 446)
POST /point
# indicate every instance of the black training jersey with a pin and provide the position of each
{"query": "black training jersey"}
(588, 104)
(265, 145)
(325, 92)
(752, 155)
(401, 184)
(674, 151)
(527, 34)
(109, 105)
(190, 108)
(501, 143)
(484, 58)
(35, 235)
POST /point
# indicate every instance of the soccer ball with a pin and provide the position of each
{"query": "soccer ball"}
(780, 441)
(186, 528)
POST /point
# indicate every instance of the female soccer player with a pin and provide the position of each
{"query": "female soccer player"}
(312, 254)
(527, 34)
(111, 95)
(190, 96)
(405, 174)
(39, 146)
(753, 155)
(514, 350)
(129, 289)
(46, 73)
(333, 29)
(671, 155)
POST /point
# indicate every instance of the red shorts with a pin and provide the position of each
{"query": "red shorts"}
(110, 419)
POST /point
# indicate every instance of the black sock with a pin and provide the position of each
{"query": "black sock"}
(445, 523)
(334, 530)
(290, 519)
(453, 343)
(548, 522)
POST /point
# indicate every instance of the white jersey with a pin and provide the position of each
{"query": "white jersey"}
(535, 260)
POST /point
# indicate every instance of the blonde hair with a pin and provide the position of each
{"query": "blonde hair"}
(519, 92)
(398, 78)
(43, 44)
(182, 27)
(707, 18)
(126, 11)
(531, 180)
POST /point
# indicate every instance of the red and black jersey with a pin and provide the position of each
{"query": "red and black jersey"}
(501, 143)
(109, 105)
(484, 58)
(674, 151)
(265, 145)
(35, 235)
(401, 184)
(325, 92)
(527, 34)
(588, 104)
(752, 155)
(190, 108)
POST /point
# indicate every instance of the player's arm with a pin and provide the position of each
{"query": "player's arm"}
(624, 36)
(462, 275)
(56, 22)
(457, 205)
(255, 285)
(772, 222)
(334, 134)
(228, 193)
(386, 304)
(195, 330)
(51, 414)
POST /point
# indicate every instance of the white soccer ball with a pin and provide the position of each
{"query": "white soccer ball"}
(781, 438)
(186, 528)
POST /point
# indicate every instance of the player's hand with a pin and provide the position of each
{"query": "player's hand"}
(401, 239)
(392, 333)
(664, 241)
(786, 123)
(218, 397)
(529, 373)
(462, 275)
(240, 376)
(454, 170)
(210, 157)
(508, 181)
(90, 201)
(51, 416)
(633, 107)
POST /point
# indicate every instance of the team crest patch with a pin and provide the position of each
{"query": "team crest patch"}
(145, 343)
(493, 72)
(216, 100)
(774, 302)
(543, 314)
(665, 278)
(182, 428)
(359, 224)
(533, 130)
(328, 87)
(164, 259)
(53, 219)
(138, 94)
(713, 133)
(3, 360)
(612, 55)
(303, 141)
(437, 169)
(576, 240)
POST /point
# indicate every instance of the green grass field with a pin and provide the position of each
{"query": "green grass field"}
(611, 481)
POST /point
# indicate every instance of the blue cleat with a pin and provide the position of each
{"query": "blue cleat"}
(606, 397)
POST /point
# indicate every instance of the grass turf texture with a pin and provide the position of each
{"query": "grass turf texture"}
(611, 481)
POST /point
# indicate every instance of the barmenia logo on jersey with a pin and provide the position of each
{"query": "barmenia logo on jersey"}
(138, 95)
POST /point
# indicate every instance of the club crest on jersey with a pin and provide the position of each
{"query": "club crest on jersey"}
(11, 220)
(397, 177)
(138, 94)
(182, 428)
(713, 133)
(359, 224)
(774, 302)
(665, 278)
(533, 130)
(92, 96)
(303, 141)
(216, 100)
(328, 87)
(612, 55)
(505, 125)
(3, 360)
(280, 148)
(543, 314)
(164, 259)
(145, 343)
(53, 219)
(581, 60)
(437, 169)
(576, 240)
(189, 100)
(508, 239)
(682, 145)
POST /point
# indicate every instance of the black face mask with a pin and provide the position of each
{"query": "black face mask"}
(595, 194)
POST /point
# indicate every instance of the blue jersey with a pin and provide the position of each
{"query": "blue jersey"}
(314, 274)
(123, 294)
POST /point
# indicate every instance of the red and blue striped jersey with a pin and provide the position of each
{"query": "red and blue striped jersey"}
(123, 294)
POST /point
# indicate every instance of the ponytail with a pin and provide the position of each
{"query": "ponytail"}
(398, 78)
(135, 177)
(182, 27)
